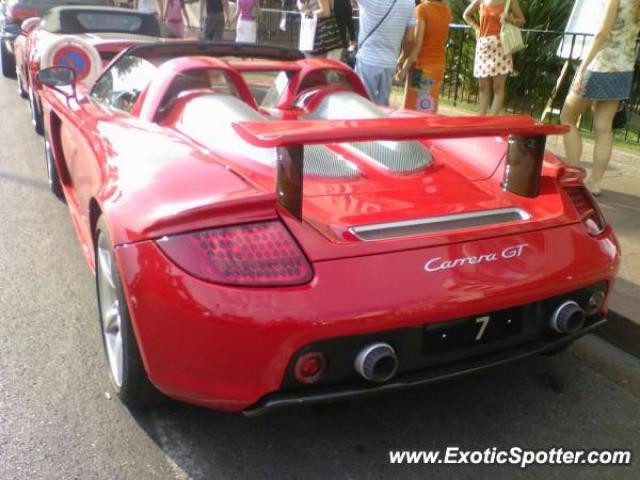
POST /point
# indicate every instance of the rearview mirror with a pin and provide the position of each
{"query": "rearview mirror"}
(58, 78)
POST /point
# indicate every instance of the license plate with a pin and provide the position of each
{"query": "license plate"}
(472, 331)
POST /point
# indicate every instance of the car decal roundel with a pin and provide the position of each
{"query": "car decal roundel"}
(75, 53)
(75, 58)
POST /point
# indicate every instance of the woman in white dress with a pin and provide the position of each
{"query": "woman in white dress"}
(247, 13)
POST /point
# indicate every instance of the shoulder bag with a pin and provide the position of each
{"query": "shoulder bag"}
(511, 35)
(621, 119)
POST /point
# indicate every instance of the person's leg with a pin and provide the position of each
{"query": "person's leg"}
(208, 27)
(340, 12)
(217, 26)
(486, 88)
(386, 81)
(498, 94)
(602, 126)
(574, 106)
(367, 76)
(376, 79)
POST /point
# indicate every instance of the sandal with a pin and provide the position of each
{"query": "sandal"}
(593, 187)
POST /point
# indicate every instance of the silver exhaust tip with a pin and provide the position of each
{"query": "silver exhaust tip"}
(567, 318)
(377, 362)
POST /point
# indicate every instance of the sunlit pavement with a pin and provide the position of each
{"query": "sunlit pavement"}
(58, 418)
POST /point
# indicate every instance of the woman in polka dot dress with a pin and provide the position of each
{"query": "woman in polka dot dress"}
(492, 65)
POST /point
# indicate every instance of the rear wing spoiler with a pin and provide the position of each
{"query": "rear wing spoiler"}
(527, 140)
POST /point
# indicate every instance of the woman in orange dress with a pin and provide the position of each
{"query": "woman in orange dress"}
(492, 65)
(423, 67)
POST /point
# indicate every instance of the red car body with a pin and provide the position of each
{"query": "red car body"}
(233, 346)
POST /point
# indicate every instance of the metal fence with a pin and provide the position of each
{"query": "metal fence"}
(279, 27)
(533, 88)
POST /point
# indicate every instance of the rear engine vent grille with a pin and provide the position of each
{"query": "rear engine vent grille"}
(322, 162)
(399, 157)
(438, 224)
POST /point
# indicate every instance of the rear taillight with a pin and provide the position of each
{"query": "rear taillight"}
(570, 176)
(17, 14)
(258, 254)
(587, 209)
(571, 179)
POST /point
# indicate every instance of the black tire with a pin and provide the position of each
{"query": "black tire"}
(8, 61)
(52, 171)
(134, 389)
(36, 114)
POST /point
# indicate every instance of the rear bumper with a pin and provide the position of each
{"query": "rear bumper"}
(278, 401)
(230, 348)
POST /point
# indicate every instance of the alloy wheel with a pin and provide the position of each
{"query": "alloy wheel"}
(110, 311)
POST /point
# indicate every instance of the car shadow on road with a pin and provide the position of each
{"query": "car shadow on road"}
(537, 403)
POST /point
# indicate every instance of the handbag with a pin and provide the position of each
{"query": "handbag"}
(327, 36)
(621, 118)
(510, 35)
(308, 27)
(351, 58)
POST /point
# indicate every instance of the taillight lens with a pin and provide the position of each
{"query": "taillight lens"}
(572, 176)
(587, 209)
(571, 179)
(258, 254)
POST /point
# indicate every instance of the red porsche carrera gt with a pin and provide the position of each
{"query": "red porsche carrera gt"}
(84, 38)
(264, 236)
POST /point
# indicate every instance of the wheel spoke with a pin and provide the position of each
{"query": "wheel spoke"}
(118, 360)
(110, 311)
(112, 320)
(104, 257)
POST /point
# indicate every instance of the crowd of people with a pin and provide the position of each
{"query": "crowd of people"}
(400, 40)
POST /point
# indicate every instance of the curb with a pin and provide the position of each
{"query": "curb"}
(621, 332)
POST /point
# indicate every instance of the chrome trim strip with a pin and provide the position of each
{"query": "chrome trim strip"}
(442, 223)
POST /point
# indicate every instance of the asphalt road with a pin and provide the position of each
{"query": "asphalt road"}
(57, 420)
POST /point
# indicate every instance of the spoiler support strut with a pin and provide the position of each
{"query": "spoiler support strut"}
(525, 156)
(290, 178)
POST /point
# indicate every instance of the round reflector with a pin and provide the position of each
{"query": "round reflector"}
(310, 367)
